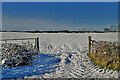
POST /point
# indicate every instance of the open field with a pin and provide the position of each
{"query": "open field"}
(72, 49)
(74, 40)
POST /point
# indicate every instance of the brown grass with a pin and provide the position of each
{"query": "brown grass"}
(105, 54)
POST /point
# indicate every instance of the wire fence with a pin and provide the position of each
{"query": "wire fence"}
(106, 47)
(22, 41)
(104, 53)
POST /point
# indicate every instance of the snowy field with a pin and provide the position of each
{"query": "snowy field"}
(62, 55)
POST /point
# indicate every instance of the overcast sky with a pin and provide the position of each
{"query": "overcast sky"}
(59, 15)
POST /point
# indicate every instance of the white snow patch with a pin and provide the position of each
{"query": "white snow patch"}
(71, 48)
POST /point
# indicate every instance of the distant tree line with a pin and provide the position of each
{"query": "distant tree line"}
(112, 28)
(62, 31)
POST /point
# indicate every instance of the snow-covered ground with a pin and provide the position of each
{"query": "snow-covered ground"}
(72, 60)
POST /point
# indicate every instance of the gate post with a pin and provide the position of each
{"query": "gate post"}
(37, 41)
(89, 44)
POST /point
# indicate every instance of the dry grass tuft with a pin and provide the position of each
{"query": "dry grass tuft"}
(105, 54)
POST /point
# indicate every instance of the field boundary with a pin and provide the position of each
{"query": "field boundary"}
(104, 53)
(36, 41)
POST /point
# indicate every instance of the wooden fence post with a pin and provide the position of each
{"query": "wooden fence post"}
(89, 45)
(5, 41)
(28, 43)
(22, 41)
(37, 43)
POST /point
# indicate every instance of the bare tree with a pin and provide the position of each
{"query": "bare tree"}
(113, 28)
(106, 29)
(119, 28)
(84, 29)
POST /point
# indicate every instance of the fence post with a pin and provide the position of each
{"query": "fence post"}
(5, 41)
(22, 41)
(37, 41)
(28, 43)
(89, 45)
